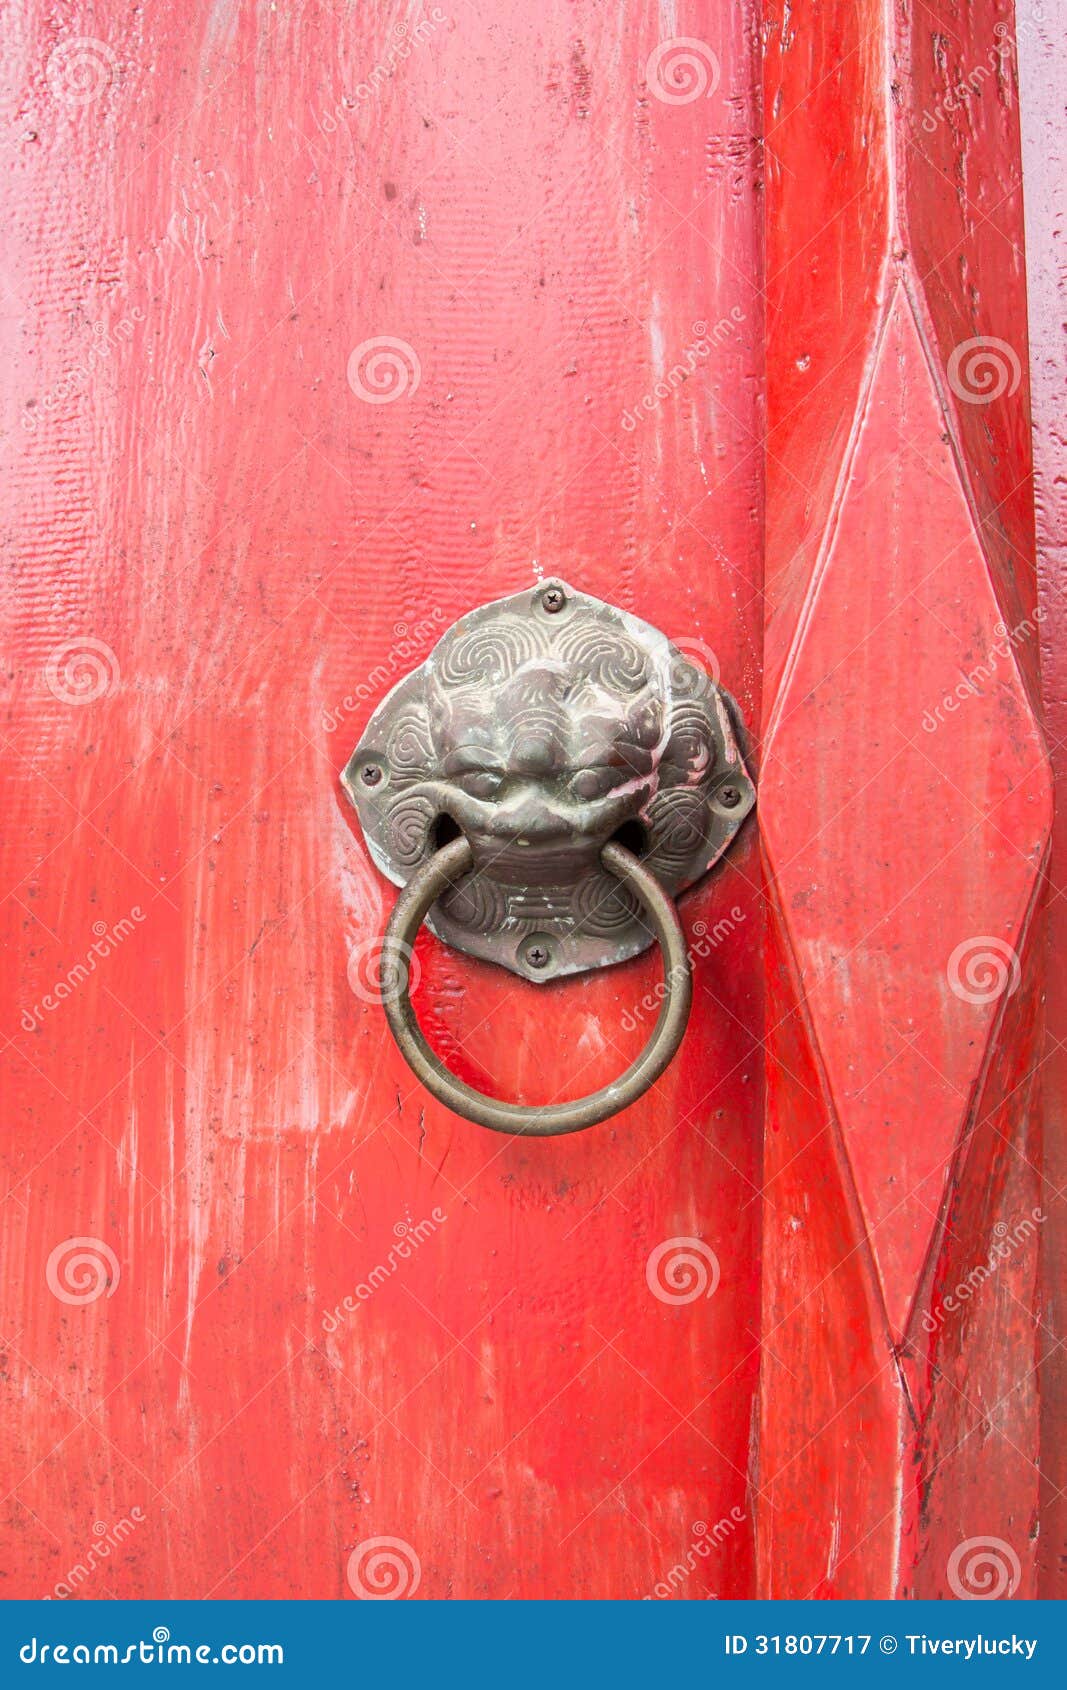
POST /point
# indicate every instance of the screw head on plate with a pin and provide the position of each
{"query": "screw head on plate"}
(553, 599)
(371, 774)
(730, 796)
(537, 956)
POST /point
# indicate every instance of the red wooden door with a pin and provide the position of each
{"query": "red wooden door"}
(323, 329)
(906, 810)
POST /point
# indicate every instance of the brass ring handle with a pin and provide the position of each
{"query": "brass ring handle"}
(536, 1120)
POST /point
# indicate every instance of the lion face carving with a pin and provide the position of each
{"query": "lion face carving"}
(539, 735)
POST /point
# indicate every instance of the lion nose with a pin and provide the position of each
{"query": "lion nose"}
(528, 819)
(534, 754)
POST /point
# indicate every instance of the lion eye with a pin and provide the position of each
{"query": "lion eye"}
(480, 783)
(593, 783)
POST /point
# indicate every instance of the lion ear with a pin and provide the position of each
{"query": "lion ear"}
(704, 790)
(437, 708)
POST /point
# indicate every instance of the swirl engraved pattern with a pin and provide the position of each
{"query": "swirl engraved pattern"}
(677, 821)
(602, 907)
(489, 654)
(694, 670)
(409, 750)
(477, 903)
(610, 658)
(409, 822)
(690, 752)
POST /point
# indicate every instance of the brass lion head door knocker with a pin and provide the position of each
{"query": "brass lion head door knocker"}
(541, 787)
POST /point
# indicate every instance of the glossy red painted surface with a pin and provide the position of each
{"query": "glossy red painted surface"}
(255, 543)
(246, 553)
(906, 808)
(1043, 74)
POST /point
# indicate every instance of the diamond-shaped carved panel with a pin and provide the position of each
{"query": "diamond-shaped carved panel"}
(906, 810)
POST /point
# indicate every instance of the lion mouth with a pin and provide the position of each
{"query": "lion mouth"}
(521, 862)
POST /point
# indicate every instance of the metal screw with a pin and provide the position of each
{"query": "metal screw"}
(730, 796)
(370, 774)
(537, 956)
(552, 600)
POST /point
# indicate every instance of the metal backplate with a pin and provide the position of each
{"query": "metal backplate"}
(541, 726)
